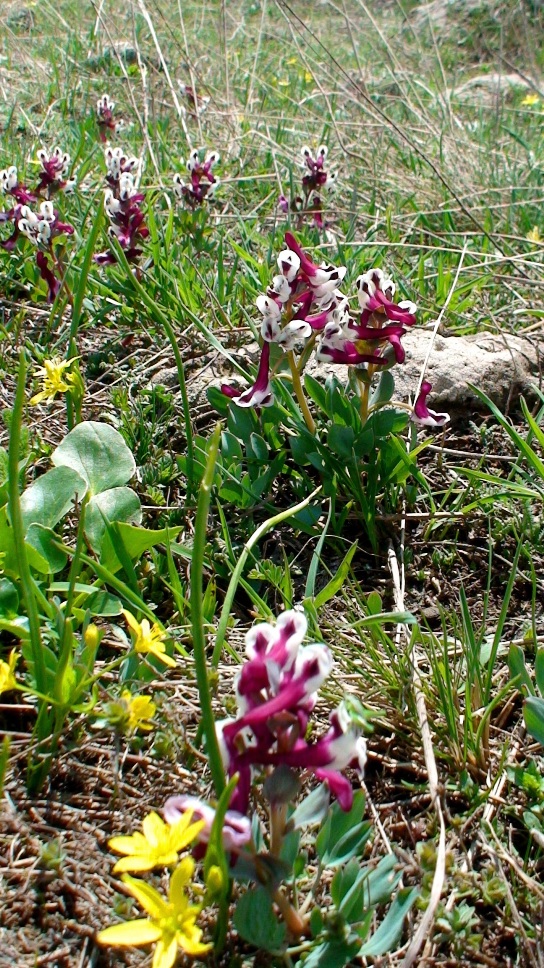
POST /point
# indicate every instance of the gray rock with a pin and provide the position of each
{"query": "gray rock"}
(503, 366)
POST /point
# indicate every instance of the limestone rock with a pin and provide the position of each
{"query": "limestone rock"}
(503, 366)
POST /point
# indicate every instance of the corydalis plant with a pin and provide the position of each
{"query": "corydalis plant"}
(203, 183)
(314, 181)
(276, 692)
(122, 202)
(305, 308)
(104, 117)
(42, 228)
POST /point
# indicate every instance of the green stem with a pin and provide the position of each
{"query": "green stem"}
(197, 617)
(236, 575)
(17, 525)
(299, 393)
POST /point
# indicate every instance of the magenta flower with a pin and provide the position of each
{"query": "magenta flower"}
(315, 179)
(122, 203)
(42, 229)
(55, 166)
(421, 414)
(9, 185)
(276, 691)
(203, 182)
(302, 299)
(236, 827)
(261, 393)
(367, 340)
(104, 117)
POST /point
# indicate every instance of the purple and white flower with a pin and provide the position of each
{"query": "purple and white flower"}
(422, 416)
(203, 183)
(276, 690)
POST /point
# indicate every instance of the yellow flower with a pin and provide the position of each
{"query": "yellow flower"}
(7, 679)
(172, 923)
(148, 638)
(530, 100)
(140, 710)
(308, 76)
(534, 235)
(54, 380)
(158, 846)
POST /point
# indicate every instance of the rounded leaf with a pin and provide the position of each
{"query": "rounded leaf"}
(117, 504)
(98, 453)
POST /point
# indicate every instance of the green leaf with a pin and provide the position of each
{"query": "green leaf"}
(344, 833)
(313, 808)
(258, 447)
(218, 400)
(116, 504)
(341, 439)
(99, 455)
(51, 496)
(517, 667)
(335, 584)
(388, 934)
(331, 954)
(9, 599)
(44, 541)
(136, 541)
(539, 670)
(533, 714)
(256, 922)
(384, 390)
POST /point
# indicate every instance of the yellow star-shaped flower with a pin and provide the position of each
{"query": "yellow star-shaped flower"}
(7, 669)
(53, 378)
(530, 100)
(148, 638)
(171, 923)
(534, 235)
(140, 711)
(158, 845)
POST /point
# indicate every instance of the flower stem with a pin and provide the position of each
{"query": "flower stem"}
(197, 617)
(17, 526)
(299, 392)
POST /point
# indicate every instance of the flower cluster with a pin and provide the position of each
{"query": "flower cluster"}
(315, 179)
(203, 182)
(40, 226)
(172, 921)
(104, 117)
(197, 102)
(297, 306)
(55, 166)
(367, 339)
(276, 691)
(10, 185)
(122, 203)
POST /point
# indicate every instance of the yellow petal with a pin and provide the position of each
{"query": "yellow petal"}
(186, 834)
(165, 952)
(131, 621)
(134, 863)
(180, 878)
(159, 654)
(147, 896)
(133, 844)
(134, 933)
(154, 828)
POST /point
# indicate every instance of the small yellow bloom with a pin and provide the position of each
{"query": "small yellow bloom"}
(534, 235)
(140, 711)
(148, 638)
(7, 669)
(530, 100)
(53, 378)
(158, 846)
(172, 923)
(308, 76)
